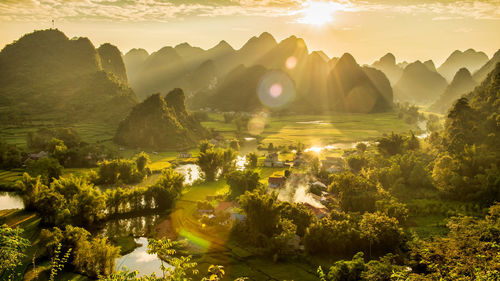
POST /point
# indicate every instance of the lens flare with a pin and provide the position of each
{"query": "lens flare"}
(276, 89)
(256, 125)
(291, 62)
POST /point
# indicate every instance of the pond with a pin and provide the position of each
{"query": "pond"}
(140, 260)
(9, 200)
(191, 172)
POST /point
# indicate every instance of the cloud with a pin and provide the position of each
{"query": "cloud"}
(168, 10)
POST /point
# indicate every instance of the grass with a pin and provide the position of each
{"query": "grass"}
(428, 226)
(8, 178)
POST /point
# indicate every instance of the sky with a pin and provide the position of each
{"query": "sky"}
(368, 29)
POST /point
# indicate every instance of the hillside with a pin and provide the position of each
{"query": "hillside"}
(112, 62)
(351, 90)
(473, 119)
(462, 84)
(236, 92)
(469, 59)
(160, 123)
(387, 64)
(46, 72)
(419, 85)
(488, 67)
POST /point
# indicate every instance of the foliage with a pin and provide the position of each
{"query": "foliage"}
(57, 263)
(262, 211)
(355, 193)
(210, 162)
(10, 156)
(179, 267)
(48, 168)
(252, 160)
(92, 256)
(470, 251)
(299, 215)
(241, 181)
(121, 170)
(12, 248)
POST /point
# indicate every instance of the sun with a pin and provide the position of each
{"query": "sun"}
(317, 13)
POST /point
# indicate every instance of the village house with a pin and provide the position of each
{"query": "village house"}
(318, 212)
(226, 206)
(36, 156)
(185, 155)
(298, 160)
(276, 182)
(273, 161)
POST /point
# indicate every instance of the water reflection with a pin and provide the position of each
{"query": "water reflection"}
(138, 226)
(9, 200)
(342, 145)
(140, 260)
(317, 122)
(241, 161)
(191, 172)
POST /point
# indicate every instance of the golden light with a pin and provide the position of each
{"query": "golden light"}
(291, 62)
(315, 149)
(317, 13)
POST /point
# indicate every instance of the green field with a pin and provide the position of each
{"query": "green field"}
(338, 128)
(281, 130)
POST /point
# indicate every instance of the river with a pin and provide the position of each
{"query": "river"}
(9, 200)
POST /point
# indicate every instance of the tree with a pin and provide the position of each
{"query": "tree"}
(361, 147)
(234, 144)
(262, 211)
(48, 168)
(356, 162)
(167, 188)
(57, 149)
(413, 143)
(334, 237)
(348, 270)
(142, 160)
(205, 145)
(10, 156)
(382, 232)
(228, 161)
(391, 145)
(210, 162)
(12, 247)
(241, 181)
(299, 215)
(356, 194)
(252, 160)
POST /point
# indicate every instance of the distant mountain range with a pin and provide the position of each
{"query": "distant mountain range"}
(45, 71)
(470, 59)
(227, 79)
